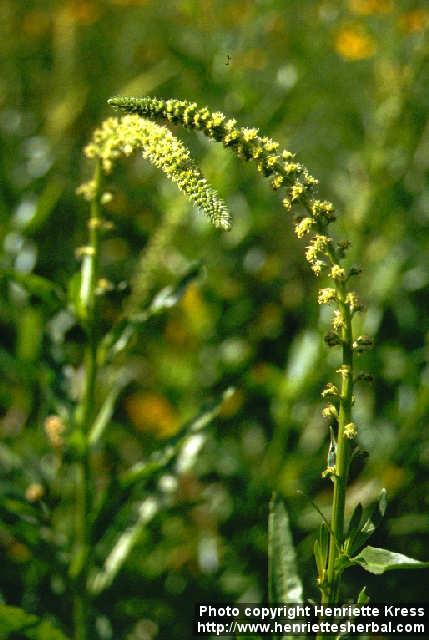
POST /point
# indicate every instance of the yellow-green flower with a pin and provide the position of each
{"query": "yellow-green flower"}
(350, 431)
(121, 137)
(325, 296)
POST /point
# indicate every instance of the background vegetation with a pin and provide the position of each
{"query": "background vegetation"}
(344, 84)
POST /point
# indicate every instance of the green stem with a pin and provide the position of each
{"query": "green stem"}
(81, 562)
(343, 453)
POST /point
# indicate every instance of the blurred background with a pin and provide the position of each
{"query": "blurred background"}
(343, 84)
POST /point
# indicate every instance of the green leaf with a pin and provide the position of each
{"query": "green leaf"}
(160, 459)
(355, 520)
(118, 339)
(376, 560)
(45, 206)
(124, 545)
(105, 413)
(321, 547)
(324, 539)
(363, 597)
(42, 288)
(45, 631)
(14, 619)
(29, 626)
(29, 330)
(73, 294)
(361, 535)
(284, 584)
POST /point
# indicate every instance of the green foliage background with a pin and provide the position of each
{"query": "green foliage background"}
(344, 84)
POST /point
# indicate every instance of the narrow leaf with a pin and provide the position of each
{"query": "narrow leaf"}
(158, 461)
(318, 556)
(73, 294)
(104, 415)
(321, 546)
(123, 546)
(45, 206)
(363, 597)
(355, 520)
(370, 524)
(324, 539)
(42, 288)
(284, 584)
(376, 560)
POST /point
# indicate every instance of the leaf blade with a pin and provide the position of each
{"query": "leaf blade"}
(124, 545)
(15, 620)
(38, 286)
(377, 560)
(364, 532)
(284, 583)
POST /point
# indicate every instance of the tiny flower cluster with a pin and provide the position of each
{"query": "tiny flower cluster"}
(54, 429)
(322, 252)
(246, 143)
(121, 137)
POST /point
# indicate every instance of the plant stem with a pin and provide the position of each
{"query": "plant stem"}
(80, 565)
(343, 452)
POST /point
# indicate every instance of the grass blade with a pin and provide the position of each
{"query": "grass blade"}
(284, 583)
(123, 546)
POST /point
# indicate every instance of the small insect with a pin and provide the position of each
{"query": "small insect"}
(228, 60)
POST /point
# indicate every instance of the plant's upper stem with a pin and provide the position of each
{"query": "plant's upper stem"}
(84, 486)
(343, 453)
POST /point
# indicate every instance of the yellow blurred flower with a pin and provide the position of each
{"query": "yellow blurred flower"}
(354, 43)
(197, 315)
(368, 7)
(36, 23)
(54, 429)
(34, 492)
(152, 412)
(414, 21)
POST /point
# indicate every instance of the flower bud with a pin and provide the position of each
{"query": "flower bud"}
(332, 339)
(54, 429)
(350, 431)
(330, 412)
(330, 391)
(362, 343)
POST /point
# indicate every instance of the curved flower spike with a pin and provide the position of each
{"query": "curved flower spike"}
(121, 137)
(243, 141)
